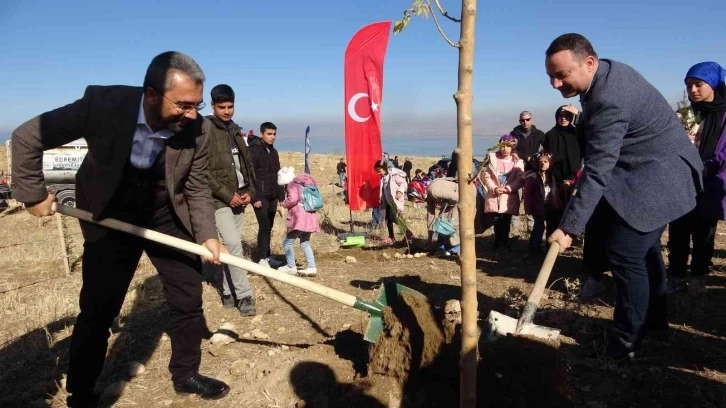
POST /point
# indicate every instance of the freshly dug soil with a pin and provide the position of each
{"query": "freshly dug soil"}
(523, 371)
(411, 340)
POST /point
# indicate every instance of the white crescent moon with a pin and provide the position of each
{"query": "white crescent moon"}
(351, 107)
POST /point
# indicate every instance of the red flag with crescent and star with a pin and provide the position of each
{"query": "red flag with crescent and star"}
(363, 96)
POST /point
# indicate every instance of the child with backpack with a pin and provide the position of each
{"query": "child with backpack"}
(302, 200)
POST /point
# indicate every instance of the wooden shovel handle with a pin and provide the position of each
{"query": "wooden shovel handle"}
(228, 259)
(544, 273)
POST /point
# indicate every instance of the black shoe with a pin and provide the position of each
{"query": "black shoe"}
(82, 400)
(205, 387)
(228, 301)
(246, 306)
(619, 349)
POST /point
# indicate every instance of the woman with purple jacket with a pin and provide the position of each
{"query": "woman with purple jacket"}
(707, 92)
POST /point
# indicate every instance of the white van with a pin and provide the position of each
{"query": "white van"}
(59, 168)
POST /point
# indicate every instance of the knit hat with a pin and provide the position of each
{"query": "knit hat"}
(285, 175)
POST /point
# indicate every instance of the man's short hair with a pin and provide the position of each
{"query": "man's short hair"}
(579, 45)
(158, 74)
(523, 113)
(267, 125)
(222, 93)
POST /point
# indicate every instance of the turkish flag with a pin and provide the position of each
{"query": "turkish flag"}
(363, 96)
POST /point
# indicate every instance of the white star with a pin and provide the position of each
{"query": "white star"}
(374, 106)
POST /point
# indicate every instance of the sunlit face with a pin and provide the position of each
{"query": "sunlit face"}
(173, 109)
(569, 75)
(543, 163)
(381, 171)
(269, 136)
(526, 121)
(564, 118)
(506, 151)
(223, 110)
(699, 91)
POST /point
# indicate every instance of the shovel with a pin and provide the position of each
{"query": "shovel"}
(499, 325)
(387, 293)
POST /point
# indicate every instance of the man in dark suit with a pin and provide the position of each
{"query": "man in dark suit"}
(640, 173)
(146, 165)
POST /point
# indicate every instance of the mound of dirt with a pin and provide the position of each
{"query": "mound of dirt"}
(411, 340)
(523, 371)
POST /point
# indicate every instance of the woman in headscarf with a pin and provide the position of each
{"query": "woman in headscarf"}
(564, 144)
(707, 92)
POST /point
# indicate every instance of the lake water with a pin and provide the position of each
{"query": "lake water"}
(394, 146)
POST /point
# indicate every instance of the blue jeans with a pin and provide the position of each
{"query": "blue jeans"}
(304, 244)
(538, 229)
(376, 214)
(640, 275)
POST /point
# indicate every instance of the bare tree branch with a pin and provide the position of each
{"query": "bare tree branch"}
(441, 31)
(445, 13)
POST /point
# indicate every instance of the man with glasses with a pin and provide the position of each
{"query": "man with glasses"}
(529, 138)
(529, 142)
(146, 165)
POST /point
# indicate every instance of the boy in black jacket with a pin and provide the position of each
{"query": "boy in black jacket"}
(266, 163)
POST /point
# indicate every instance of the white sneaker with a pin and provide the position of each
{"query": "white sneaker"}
(264, 263)
(591, 288)
(288, 270)
(308, 272)
(274, 263)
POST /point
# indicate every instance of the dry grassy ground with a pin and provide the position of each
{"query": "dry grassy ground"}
(302, 347)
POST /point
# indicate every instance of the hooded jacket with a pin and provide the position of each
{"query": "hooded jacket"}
(530, 145)
(297, 218)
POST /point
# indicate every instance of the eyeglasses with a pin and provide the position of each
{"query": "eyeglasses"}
(524, 120)
(186, 107)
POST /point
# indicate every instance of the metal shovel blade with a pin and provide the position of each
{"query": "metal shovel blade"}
(499, 325)
(387, 294)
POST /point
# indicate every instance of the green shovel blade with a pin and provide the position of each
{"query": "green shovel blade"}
(387, 294)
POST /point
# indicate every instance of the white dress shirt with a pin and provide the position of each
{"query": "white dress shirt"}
(147, 144)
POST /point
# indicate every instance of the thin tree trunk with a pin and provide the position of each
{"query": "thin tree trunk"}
(467, 200)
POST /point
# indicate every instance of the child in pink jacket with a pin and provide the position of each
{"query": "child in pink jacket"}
(503, 180)
(300, 223)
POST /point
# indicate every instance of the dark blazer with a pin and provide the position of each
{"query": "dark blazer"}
(637, 154)
(106, 117)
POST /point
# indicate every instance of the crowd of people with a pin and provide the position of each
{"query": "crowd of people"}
(622, 170)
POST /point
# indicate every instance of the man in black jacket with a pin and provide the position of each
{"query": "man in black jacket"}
(407, 167)
(266, 165)
(529, 142)
(231, 180)
(529, 138)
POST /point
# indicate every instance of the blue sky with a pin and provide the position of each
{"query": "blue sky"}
(285, 58)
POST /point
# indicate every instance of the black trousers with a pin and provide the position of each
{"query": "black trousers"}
(108, 267)
(502, 226)
(700, 228)
(266, 220)
(594, 254)
(552, 220)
